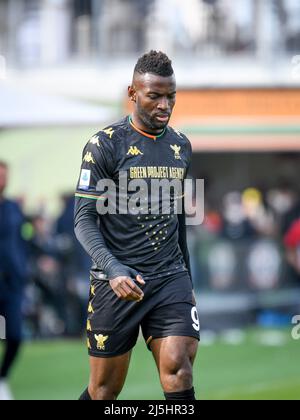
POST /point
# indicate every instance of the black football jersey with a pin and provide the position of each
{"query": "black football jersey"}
(146, 240)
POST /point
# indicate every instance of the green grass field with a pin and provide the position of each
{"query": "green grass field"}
(59, 371)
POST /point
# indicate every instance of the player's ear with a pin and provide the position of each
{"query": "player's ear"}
(132, 93)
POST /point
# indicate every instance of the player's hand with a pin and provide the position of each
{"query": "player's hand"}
(126, 288)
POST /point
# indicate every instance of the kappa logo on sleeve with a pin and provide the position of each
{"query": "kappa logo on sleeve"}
(89, 158)
(109, 132)
(95, 140)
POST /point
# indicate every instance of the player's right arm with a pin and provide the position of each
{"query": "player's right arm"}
(97, 164)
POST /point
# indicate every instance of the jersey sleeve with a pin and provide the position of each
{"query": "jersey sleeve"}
(190, 155)
(183, 243)
(98, 163)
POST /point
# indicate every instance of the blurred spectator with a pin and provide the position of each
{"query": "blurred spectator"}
(75, 265)
(236, 224)
(258, 212)
(285, 202)
(77, 260)
(291, 230)
(13, 275)
(292, 243)
(247, 216)
(47, 276)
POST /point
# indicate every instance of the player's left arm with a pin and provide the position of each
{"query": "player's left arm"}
(182, 224)
(183, 242)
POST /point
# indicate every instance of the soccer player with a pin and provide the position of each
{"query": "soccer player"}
(12, 280)
(141, 275)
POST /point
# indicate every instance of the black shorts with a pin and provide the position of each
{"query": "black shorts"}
(167, 310)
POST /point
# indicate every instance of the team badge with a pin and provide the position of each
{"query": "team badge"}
(176, 149)
(134, 151)
(101, 340)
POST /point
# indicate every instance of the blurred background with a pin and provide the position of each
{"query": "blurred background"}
(64, 70)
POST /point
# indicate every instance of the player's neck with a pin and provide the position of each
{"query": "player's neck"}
(138, 124)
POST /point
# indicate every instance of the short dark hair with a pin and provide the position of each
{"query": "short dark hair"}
(156, 63)
(3, 164)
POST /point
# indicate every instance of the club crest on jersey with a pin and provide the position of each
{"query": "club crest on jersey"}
(176, 149)
(89, 158)
(101, 340)
(134, 151)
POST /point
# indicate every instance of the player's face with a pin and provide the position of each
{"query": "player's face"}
(155, 98)
(3, 179)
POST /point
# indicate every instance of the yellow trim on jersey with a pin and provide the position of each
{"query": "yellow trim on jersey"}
(92, 197)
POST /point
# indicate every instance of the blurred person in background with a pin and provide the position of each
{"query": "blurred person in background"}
(46, 273)
(75, 263)
(291, 231)
(286, 204)
(292, 244)
(13, 275)
(258, 213)
(284, 200)
(236, 225)
(247, 216)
